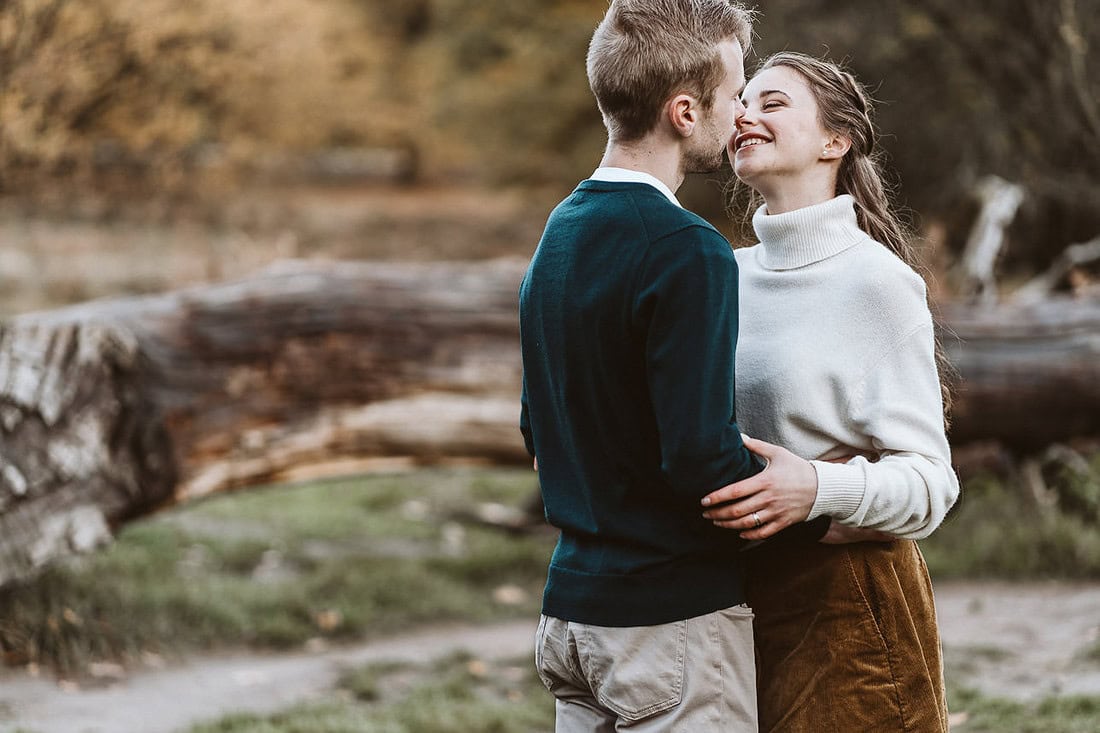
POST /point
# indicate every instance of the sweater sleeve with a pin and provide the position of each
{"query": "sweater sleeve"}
(525, 420)
(898, 405)
(688, 305)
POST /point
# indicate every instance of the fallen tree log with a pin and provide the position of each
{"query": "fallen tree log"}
(1029, 373)
(111, 409)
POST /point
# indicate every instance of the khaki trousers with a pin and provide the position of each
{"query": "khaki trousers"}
(695, 675)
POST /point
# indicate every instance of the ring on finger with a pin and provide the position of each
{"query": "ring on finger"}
(756, 519)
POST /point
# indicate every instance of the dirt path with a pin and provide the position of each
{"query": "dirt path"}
(210, 687)
(1020, 641)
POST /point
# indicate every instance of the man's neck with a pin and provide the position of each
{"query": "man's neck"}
(660, 161)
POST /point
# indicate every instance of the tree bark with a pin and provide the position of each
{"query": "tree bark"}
(1029, 373)
(111, 409)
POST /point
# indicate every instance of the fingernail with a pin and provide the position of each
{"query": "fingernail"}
(706, 501)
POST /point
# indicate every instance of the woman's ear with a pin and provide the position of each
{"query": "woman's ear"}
(836, 146)
(683, 114)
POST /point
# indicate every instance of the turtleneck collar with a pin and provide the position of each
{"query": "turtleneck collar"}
(807, 235)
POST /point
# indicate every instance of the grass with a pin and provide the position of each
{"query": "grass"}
(977, 713)
(277, 567)
(1091, 653)
(459, 694)
(997, 531)
(354, 558)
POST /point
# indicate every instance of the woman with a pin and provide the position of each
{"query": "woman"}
(836, 358)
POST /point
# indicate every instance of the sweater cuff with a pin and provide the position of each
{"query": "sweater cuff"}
(840, 489)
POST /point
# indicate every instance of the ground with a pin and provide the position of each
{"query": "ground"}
(1018, 641)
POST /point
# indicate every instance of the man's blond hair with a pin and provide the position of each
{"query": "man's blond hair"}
(645, 51)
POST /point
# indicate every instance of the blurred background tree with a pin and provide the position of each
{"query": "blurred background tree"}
(187, 98)
(968, 89)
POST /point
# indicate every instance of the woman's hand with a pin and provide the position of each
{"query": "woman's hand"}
(842, 534)
(772, 500)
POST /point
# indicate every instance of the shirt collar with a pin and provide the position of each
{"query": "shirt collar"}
(625, 175)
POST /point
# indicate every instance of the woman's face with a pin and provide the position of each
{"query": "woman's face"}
(779, 136)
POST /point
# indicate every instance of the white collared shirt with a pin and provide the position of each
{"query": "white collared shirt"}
(625, 175)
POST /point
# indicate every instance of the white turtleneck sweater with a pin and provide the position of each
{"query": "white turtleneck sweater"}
(835, 358)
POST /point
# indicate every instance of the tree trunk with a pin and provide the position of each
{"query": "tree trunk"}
(111, 409)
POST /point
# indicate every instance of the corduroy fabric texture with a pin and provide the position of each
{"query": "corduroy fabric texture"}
(846, 639)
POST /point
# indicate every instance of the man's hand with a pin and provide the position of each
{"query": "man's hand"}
(772, 500)
(842, 534)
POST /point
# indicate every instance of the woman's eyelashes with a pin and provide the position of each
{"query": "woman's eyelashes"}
(769, 104)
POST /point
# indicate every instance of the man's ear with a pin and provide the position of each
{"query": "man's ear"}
(836, 146)
(683, 114)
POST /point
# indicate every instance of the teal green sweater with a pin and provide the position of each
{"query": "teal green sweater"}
(628, 320)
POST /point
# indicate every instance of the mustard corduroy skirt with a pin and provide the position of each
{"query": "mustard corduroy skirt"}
(846, 639)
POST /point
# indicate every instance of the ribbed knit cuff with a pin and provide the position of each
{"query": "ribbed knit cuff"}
(840, 489)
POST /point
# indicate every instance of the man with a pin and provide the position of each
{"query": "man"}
(628, 317)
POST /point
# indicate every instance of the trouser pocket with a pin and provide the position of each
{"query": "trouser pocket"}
(636, 671)
(555, 657)
(544, 673)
